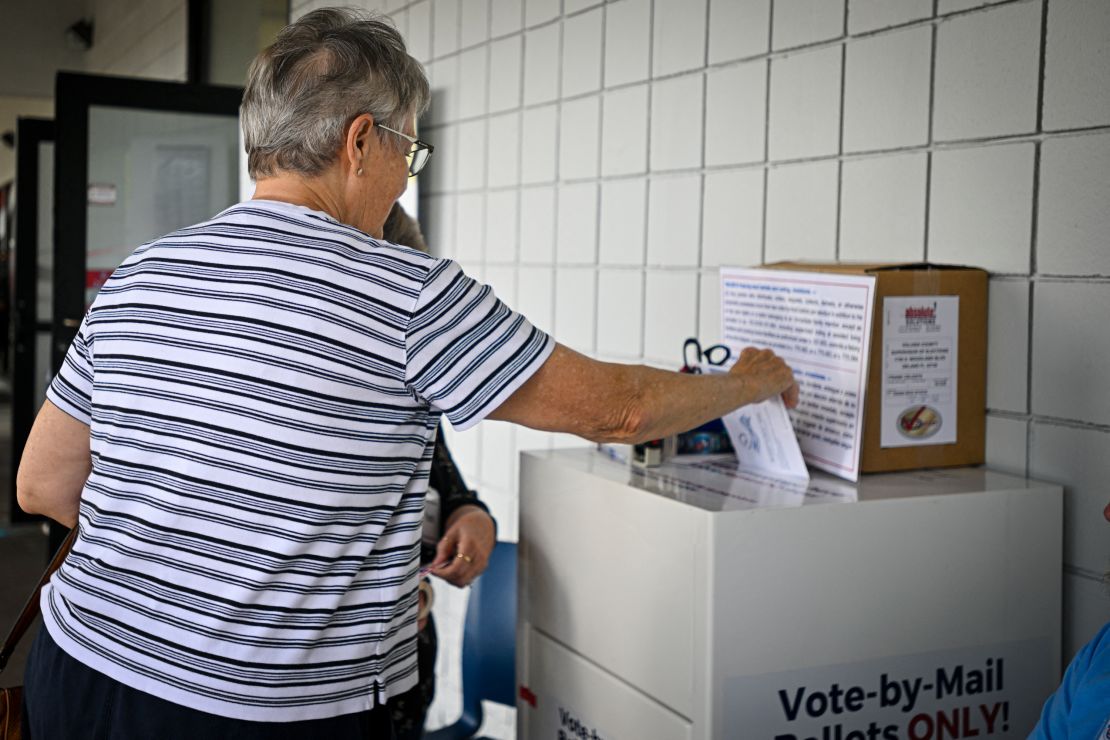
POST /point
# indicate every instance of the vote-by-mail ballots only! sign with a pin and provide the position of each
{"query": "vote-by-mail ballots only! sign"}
(991, 692)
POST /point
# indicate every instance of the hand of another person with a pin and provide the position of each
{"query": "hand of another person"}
(767, 375)
(463, 552)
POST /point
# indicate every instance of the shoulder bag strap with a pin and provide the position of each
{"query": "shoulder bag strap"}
(31, 608)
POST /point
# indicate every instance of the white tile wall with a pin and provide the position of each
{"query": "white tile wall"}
(541, 64)
(1007, 444)
(679, 36)
(732, 218)
(1080, 460)
(503, 151)
(1074, 221)
(445, 27)
(979, 211)
(472, 154)
(504, 73)
(1077, 64)
(709, 308)
(469, 238)
(577, 228)
(945, 7)
(735, 114)
(627, 41)
(540, 11)
(474, 22)
(624, 135)
(674, 221)
(535, 295)
(802, 22)
(676, 122)
(502, 216)
(1008, 345)
(623, 222)
(539, 154)
(576, 307)
(1071, 349)
(987, 71)
(882, 209)
(805, 104)
(620, 304)
(419, 35)
(945, 147)
(537, 224)
(506, 16)
(738, 29)
(1088, 599)
(886, 90)
(868, 15)
(801, 212)
(582, 53)
(670, 315)
(579, 134)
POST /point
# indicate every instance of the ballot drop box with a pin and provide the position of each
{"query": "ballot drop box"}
(691, 601)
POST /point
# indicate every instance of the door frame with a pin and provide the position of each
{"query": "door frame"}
(74, 94)
(30, 134)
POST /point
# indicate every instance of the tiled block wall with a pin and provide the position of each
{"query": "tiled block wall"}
(597, 161)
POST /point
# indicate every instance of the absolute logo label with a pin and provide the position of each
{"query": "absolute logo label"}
(921, 315)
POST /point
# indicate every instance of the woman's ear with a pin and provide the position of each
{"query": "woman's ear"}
(357, 145)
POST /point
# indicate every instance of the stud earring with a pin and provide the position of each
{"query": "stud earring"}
(359, 172)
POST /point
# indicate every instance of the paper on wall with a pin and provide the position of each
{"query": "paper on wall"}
(820, 323)
(920, 360)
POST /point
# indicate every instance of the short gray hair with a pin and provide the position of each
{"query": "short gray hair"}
(324, 70)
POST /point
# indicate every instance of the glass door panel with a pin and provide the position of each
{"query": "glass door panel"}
(151, 173)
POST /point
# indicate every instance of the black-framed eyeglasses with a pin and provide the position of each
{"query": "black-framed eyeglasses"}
(717, 354)
(418, 155)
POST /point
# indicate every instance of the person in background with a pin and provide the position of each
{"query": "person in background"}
(244, 426)
(1080, 708)
(454, 520)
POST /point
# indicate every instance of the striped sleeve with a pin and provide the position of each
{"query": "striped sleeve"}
(71, 390)
(466, 350)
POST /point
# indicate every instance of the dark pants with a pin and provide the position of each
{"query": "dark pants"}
(410, 709)
(65, 699)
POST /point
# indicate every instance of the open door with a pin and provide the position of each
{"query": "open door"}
(135, 159)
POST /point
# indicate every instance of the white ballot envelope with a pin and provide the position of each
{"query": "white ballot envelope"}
(764, 439)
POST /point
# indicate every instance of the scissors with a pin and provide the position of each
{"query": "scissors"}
(716, 354)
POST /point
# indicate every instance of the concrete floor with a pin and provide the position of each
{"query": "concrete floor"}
(22, 552)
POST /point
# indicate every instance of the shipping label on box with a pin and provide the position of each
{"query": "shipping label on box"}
(921, 340)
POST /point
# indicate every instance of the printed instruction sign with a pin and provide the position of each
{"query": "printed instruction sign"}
(820, 323)
(992, 691)
(920, 345)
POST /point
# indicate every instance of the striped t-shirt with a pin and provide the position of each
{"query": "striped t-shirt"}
(262, 392)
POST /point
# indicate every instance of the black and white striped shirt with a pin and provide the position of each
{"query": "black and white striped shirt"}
(262, 392)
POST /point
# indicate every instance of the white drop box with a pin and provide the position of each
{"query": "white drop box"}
(690, 602)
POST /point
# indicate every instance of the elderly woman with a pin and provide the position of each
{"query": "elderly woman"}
(244, 425)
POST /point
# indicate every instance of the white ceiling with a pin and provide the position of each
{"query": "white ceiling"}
(33, 47)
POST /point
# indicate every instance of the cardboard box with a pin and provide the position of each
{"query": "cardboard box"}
(970, 286)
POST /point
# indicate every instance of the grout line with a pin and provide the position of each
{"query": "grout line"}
(1029, 380)
(766, 138)
(840, 143)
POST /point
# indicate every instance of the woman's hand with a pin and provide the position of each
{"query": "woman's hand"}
(463, 553)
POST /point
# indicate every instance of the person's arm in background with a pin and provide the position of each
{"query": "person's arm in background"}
(609, 402)
(467, 528)
(55, 465)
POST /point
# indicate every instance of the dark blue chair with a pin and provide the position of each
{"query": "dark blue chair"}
(489, 644)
